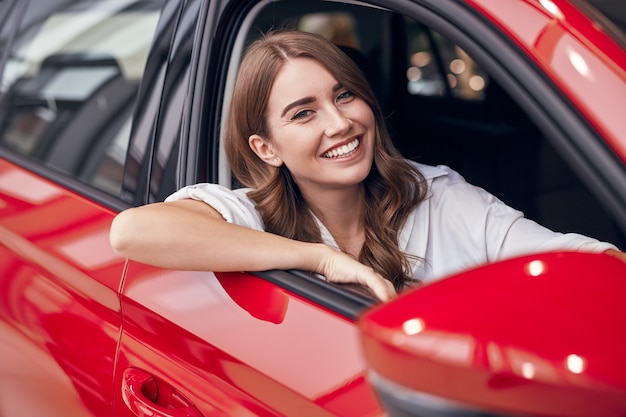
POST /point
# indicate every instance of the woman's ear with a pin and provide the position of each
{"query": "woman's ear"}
(264, 150)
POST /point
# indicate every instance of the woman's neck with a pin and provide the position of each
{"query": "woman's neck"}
(342, 211)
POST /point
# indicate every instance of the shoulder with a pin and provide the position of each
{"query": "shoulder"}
(439, 177)
(202, 191)
(450, 195)
(430, 172)
(234, 205)
(442, 179)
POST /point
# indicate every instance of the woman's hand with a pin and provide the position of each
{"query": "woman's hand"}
(340, 268)
(617, 254)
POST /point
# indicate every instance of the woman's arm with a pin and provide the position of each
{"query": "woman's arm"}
(191, 235)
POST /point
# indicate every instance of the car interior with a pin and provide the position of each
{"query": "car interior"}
(443, 108)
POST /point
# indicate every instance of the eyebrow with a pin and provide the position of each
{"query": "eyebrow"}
(306, 100)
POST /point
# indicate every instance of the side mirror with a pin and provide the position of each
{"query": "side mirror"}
(540, 335)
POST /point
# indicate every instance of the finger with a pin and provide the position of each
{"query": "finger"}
(382, 288)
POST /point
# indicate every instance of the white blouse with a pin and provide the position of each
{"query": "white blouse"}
(458, 226)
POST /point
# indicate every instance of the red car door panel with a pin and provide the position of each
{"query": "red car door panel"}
(59, 307)
(234, 344)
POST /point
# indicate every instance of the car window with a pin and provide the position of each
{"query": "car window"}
(68, 88)
(438, 67)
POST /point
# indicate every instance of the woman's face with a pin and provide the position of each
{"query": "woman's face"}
(321, 131)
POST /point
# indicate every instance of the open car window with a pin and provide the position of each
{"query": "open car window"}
(443, 107)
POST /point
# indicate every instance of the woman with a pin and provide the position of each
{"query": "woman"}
(307, 137)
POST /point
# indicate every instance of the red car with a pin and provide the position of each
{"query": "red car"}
(108, 104)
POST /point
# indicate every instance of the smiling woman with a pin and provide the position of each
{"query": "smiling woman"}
(307, 137)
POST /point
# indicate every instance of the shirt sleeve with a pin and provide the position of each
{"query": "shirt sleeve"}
(525, 236)
(233, 205)
(505, 231)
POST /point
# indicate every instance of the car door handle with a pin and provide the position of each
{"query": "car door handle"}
(144, 395)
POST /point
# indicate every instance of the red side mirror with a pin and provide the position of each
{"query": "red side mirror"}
(537, 335)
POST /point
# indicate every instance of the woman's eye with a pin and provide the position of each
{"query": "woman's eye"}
(301, 114)
(345, 95)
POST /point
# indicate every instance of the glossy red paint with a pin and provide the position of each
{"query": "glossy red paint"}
(538, 335)
(245, 341)
(583, 61)
(143, 394)
(60, 315)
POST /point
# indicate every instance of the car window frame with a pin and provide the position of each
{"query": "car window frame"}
(9, 9)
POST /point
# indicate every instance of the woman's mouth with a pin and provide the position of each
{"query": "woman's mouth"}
(343, 151)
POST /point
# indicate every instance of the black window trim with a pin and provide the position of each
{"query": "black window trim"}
(331, 296)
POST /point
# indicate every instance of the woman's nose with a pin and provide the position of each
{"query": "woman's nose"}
(338, 123)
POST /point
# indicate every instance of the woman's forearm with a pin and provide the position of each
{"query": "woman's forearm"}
(191, 235)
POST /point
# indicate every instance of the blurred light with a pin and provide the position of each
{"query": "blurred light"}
(413, 74)
(552, 8)
(579, 63)
(575, 364)
(452, 80)
(457, 66)
(496, 361)
(535, 268)
(420, 59)
(528, 370)
(413, 326)
(477, 83)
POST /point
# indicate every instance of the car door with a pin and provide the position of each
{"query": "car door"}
(277, 342)
(69, 78)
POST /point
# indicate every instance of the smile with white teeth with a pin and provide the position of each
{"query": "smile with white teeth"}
(343, 151)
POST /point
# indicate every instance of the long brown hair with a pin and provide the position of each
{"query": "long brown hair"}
(393, 187)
